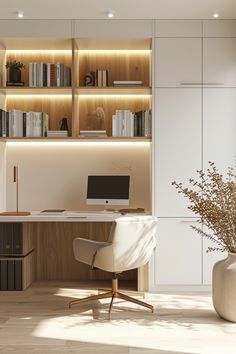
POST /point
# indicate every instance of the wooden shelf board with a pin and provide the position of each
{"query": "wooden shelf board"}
(81, 139)
(112, 90)
(13, 90)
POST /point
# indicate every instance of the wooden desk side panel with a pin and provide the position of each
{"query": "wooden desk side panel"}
(54, 250)
(28, 238)
(28, 271)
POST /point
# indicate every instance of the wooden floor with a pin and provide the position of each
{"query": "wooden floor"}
(38, 320)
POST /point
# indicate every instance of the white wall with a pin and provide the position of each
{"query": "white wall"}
(54, 175)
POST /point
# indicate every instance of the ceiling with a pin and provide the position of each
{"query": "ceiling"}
(123, 9)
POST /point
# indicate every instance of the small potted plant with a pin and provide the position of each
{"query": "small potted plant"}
(213, 199)
(15, 71)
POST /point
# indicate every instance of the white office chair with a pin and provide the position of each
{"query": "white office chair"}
(129, 245)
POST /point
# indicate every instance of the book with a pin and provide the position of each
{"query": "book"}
(104, 78)
(99, 78)
(93, 133)
(57, 133)
(19, 84)
(127, 83)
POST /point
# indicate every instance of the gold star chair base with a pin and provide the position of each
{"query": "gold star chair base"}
(114, 293)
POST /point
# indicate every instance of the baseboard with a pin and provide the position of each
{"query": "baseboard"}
(180, 288)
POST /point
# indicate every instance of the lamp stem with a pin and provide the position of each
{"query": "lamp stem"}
(16, 180)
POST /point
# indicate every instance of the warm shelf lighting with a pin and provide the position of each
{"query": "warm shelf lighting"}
(39, 96)
(115, 51)
(39, 51)
(76, 143)
(119, 96)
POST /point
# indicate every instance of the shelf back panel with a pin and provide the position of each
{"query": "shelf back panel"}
(121, 65)
(95, 112)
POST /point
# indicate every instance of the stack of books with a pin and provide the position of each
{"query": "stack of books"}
(93, 134)
(127, 83)
(16, 123)
(57, 133)
(47, 75)
(128, 124)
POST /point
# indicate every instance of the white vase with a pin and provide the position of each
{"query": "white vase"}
(224, 287)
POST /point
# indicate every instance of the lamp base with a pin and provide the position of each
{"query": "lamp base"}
(15, 213)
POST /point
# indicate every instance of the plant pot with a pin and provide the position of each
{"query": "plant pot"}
(15, 75)
(224, 287)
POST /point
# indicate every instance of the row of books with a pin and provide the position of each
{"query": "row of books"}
(97, 78)
(128, 124)
(47, 75)
(16, 123)
(11, 274)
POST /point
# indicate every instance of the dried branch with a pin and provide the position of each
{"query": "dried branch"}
(214, 199)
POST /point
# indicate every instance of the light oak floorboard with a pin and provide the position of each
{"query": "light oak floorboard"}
(38, 320)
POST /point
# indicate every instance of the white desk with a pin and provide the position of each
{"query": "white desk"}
(68, 216)
(52, 239)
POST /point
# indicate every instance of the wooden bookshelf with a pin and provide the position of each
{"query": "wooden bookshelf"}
(81, 105)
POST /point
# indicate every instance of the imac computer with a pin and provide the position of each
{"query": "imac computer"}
(108, 190)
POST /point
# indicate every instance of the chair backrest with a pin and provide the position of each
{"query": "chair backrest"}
(132, 241)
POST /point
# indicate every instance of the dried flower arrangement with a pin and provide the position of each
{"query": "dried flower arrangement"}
(214, 200)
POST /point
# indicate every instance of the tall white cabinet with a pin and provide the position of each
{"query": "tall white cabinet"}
(195, 121)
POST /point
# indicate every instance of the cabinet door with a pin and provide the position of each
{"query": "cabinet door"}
(177, 149)
(219, 127)
(219, 28)
(178, 28)
(177, 258)
(219, 62)
(177, 62)
(36, 28)
(113, 29)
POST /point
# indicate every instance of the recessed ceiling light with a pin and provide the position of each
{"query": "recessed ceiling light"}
(20, 14)
(215, 15)
(110, 14)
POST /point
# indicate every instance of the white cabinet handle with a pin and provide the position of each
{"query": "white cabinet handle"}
(189, 220)
(199, 84)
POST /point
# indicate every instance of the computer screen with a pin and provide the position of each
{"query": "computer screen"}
(108, 190)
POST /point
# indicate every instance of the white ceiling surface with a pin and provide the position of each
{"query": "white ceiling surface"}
(123, 9)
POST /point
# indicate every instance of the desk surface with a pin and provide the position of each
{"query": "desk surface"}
(67, 216)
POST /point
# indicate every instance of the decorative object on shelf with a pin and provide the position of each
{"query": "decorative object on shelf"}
(96, 119)
(15, 68)
(64, 124)
(17, 212)
(89, 79)
(214, 199)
